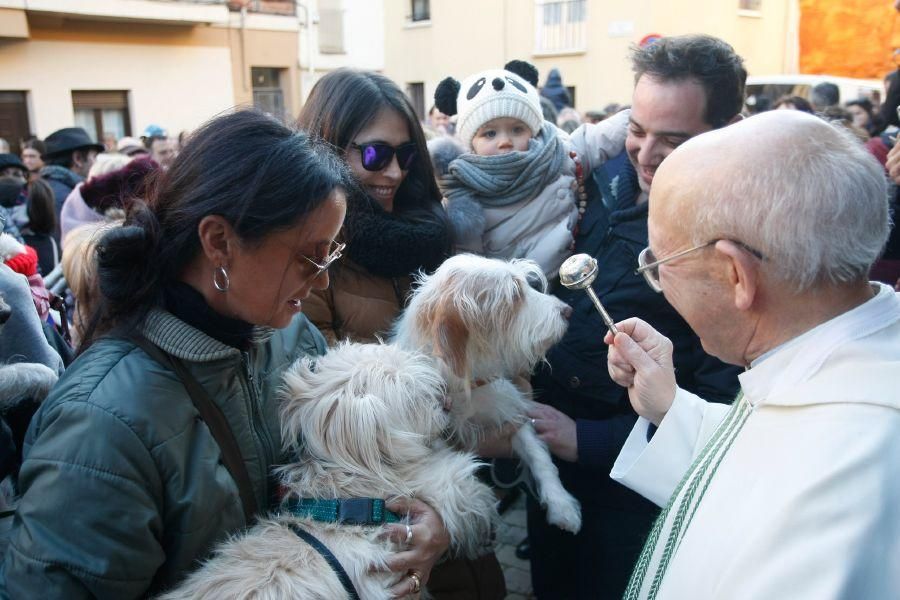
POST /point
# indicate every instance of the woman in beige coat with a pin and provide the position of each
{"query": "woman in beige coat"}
(395, 227)
(395, 224)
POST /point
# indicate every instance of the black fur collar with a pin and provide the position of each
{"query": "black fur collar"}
(396, 244)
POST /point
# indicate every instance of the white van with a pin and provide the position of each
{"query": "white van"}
(774, 87)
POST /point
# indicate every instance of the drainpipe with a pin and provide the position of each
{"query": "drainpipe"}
(243, 47)
(307, 24)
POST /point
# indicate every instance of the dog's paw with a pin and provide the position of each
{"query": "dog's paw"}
(565, 513)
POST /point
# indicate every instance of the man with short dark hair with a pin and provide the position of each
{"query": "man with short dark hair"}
(162, 148)
(825, 95)
(69, 155)
(684, 86)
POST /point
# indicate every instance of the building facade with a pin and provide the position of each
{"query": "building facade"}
(116, 66)
(587, 40)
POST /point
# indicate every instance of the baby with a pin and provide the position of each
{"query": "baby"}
(514, 193)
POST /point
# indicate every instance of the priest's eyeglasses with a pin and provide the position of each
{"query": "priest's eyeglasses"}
(334, 252)
(648, 264)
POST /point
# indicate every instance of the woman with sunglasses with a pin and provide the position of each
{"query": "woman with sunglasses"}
(395, 223)
(395, 227)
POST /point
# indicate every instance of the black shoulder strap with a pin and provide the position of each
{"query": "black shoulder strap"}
(332, 560)
(215, 421)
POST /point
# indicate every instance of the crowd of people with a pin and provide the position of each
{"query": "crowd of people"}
(737, 437)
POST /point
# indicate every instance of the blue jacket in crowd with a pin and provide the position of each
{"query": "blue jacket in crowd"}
(554, 91)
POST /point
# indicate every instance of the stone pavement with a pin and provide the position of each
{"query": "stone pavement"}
(510, 532)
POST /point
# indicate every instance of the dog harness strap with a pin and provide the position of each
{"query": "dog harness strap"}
(330, 558)
(215, 420)
(348, 511)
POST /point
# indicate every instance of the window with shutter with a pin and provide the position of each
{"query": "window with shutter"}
(102, 113)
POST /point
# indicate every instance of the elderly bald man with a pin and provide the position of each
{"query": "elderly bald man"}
(761, 236)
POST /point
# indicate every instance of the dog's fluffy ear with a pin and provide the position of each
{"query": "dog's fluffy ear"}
(348, 428)
(362, 407)
(325, 417)
(451, 338)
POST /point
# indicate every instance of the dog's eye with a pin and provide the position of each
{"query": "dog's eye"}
(535, 282)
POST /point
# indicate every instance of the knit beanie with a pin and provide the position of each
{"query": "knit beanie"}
(489, 95)
(20, 258)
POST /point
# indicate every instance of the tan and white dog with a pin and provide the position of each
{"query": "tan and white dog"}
(366, 421)
(486, 325)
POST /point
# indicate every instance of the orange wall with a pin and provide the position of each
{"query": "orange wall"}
(849, 38)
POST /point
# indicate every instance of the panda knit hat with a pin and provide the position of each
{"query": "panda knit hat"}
(489, 95)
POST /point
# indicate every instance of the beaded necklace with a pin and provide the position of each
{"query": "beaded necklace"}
(581, 193)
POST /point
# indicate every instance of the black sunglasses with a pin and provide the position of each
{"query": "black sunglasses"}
(377, 155)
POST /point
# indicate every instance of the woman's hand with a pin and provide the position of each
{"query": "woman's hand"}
(428, 541)
(555, 429)
(499, 443)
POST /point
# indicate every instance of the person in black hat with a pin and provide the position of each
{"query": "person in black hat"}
(70, 152)
(11, 165)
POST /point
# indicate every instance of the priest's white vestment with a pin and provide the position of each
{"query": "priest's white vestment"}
(797, 494)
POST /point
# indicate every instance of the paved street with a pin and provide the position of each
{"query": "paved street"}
(510, 532)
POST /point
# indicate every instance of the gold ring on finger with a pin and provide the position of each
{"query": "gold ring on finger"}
(416, 581)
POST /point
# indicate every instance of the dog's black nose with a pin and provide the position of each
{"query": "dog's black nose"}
(566, 312)
(5, 312)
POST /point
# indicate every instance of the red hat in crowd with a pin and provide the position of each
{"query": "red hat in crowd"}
(25, 263)
(114, 189)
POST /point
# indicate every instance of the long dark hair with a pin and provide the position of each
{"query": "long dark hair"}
(339, 106)
(874, 126)
(260, 175)
(41, 207)
(344, 101)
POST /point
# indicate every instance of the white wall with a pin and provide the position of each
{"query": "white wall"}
(363, 42)
(178, 87)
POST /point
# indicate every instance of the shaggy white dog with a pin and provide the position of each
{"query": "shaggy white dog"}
(486, 326)
(366, 421)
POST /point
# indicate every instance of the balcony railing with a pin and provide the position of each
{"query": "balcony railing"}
(270, 7)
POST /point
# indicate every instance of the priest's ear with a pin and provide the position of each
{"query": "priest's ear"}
(743, 274)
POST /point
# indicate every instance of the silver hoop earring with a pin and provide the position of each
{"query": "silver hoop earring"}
(223, 286)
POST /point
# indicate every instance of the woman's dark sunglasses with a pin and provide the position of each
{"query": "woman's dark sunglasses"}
(377, 155)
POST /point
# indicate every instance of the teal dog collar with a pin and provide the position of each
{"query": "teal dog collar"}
(348, 511)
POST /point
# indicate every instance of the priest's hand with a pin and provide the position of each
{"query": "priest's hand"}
(893, 161)
(640, 359)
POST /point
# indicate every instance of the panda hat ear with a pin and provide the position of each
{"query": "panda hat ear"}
(523, 69)
(445, 96)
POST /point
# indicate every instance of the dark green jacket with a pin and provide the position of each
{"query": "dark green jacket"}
(123, 489)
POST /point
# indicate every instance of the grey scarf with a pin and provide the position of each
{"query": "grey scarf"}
(505, 179)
